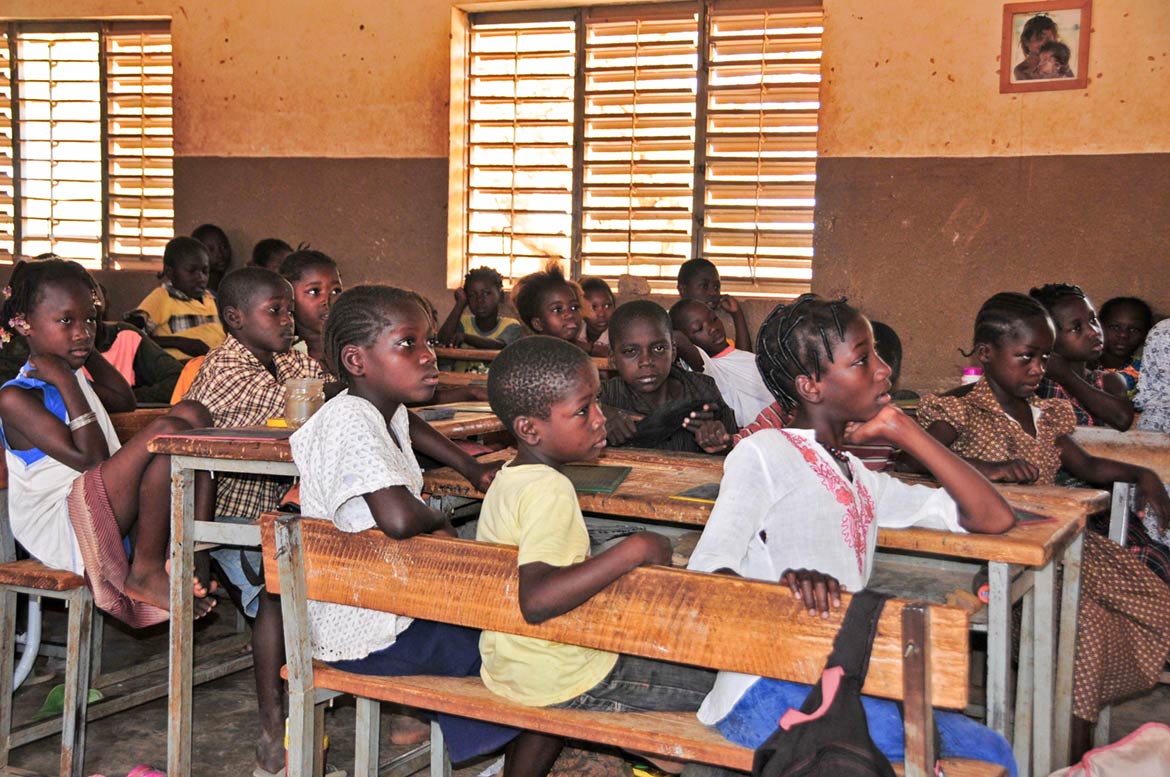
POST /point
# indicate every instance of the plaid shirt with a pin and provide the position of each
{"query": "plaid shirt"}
(238, 391)
(180, 322)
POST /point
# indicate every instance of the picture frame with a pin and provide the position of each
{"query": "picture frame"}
(1045, 46)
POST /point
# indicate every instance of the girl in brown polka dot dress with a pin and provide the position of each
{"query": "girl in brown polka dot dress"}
(1000, 426)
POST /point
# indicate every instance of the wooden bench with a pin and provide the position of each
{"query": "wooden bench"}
(920, 655)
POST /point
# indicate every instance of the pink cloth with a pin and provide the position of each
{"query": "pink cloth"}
(122, 352)
(100, 540)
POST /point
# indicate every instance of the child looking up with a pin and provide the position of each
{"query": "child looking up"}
(358, 469)
(794, 508)
(475, 321)
(699, 279)
(219, 249)
(316, 286)
(1126, 320)
(269, 253)
(600, 304)
(704, 347)
(1000, 426)
(74, 492)
(186, 320)
(242, 384)
(545, 392)
(1098, 398)
(653, 403)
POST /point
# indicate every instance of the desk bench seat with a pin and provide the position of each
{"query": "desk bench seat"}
(675, 735)
(30, 573)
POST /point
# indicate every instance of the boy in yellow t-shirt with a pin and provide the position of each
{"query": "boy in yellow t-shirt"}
(545, 391)
(187, 321)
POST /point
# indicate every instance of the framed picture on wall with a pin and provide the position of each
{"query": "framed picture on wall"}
(1045, 46)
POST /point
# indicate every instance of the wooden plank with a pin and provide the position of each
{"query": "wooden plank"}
(126, 425)
(1143, 448)
(728, 623)
(487, 355)
(31, 573)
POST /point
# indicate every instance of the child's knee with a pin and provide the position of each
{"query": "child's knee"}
(193, 413)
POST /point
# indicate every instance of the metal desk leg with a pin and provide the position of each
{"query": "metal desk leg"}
(999, 646)
(1043, 667)
(1070, 597)
(182, 621)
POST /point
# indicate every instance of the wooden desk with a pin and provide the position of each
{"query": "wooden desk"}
(1022, 563)
(487, 355)
(1145, 449)
(224, 453)
(126, 425)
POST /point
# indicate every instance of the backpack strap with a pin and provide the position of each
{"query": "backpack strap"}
(853, 643)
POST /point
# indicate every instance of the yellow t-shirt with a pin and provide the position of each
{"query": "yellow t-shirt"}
(535, 508)
(184, 317)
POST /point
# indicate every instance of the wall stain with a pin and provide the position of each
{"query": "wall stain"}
(965, 222)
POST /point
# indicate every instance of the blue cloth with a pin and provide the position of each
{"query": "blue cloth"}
(54, 403)
(230, 561)
(427, 647)
(757, 714)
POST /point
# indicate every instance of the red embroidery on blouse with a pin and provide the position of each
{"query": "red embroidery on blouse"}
(859, 509)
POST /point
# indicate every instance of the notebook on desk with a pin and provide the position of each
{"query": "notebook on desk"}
(595, 478)
(706, 493)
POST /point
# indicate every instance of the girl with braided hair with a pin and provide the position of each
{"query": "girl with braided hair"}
(794, 507)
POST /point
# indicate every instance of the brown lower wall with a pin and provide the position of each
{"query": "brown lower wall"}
(921, 243)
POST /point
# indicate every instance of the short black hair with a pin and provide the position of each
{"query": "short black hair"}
(1004, 314)
(298, 262)
(796, 339)
(239, 288)
(484, 274)
(359, 316)
(528, 293)
(1141, 305)
(267, 248)
(636, 310)
(532, 374)
(204, 231)
(689, 269)
(1052, 294)
(180, 248)
(593, 284)
(679, 308)
(29, 280)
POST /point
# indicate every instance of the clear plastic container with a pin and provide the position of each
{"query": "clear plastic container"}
(302, 398)
(971, 375)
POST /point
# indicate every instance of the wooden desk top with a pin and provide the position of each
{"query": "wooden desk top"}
(1145, 449)
(126, 425)
(469, 420)
(486, 355)
(657, 476)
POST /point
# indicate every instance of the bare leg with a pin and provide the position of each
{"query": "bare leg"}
(267, 658)
(531, 754)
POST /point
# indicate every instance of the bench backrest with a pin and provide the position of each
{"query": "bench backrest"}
(714, 621)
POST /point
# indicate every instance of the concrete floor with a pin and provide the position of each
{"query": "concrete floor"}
(225, 715)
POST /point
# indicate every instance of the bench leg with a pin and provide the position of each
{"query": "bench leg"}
(1044, 633)
(1022, 743)
(80, 604)
(440, 763)
(1103, 727)
(999, 646)
(7, 667)
(1070, 597)
(368, 730)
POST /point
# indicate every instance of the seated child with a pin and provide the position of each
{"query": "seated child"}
(150, 371)
(599, 305)
(1098, 398)
(358, 469)
(1126, 320)
(548, 304)
(242, 384)
(1001, 427)
(269, 253)
(703, 345)
(74, 491)
(794, 508)
(545, 391)
(652, 403)
(316, 286)
(186, 321)
(475, 321)
(699, 279)
(1153, 387)
(219, 250)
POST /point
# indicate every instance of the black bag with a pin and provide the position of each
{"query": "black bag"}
(837, 743)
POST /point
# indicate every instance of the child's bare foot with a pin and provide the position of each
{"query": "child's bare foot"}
(154, 587)
(408, 730)
(270, 752)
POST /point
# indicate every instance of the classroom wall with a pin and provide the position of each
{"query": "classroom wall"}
(327, 123)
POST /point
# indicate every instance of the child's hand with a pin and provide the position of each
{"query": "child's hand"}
(729, 304)
(885, 428)
(655, 548)
(460, 297)
(482, 475)
(1152, 494)
(816, 590)
(1014, 471)
(50, 368)
(620, 425)
(710, 435)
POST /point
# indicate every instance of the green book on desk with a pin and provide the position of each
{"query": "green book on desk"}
(595, 478)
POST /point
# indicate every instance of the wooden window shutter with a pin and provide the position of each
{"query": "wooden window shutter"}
(520, 115)
(139, 141)
(763, 95)
(7, 171)
(640, 91)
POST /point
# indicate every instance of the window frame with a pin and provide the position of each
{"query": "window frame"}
(102, 28)
(463, 18)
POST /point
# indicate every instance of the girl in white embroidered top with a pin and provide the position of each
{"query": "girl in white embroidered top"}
(794, 507)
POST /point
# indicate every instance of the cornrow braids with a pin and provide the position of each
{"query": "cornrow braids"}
(1051, 294)
(796, 339)
(359, 316)
(27, 284)
(1003, 315)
